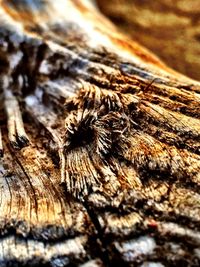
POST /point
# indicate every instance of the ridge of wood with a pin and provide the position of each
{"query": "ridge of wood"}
(110, 176)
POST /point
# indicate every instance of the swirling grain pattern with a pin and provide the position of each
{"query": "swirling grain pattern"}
(101, 142)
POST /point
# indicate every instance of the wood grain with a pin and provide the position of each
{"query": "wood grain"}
(168, 28)
(111, 173)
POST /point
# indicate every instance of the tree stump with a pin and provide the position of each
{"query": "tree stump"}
(100, 144)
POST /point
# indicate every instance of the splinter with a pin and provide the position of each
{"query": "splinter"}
(16, 132)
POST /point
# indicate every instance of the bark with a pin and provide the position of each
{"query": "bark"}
(169, 28)
(104, 171)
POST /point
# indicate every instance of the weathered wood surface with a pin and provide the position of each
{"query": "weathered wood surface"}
(171, 29)
(107, 171)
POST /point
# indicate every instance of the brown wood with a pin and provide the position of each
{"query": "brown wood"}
(104, 169)
(171, 29)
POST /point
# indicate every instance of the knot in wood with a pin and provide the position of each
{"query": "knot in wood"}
(96, 119)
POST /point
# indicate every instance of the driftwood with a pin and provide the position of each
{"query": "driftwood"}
(100, 144)
(169, 28)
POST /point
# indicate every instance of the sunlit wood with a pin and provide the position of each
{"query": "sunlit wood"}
(101, 162)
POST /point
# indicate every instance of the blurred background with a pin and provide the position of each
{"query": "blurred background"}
(169, 28)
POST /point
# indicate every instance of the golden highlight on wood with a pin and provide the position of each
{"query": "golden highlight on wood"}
(99, 144)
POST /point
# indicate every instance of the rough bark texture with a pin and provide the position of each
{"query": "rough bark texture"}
(106, 171)
(171, 29)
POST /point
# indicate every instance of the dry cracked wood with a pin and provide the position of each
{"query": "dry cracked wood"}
(101, 144)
